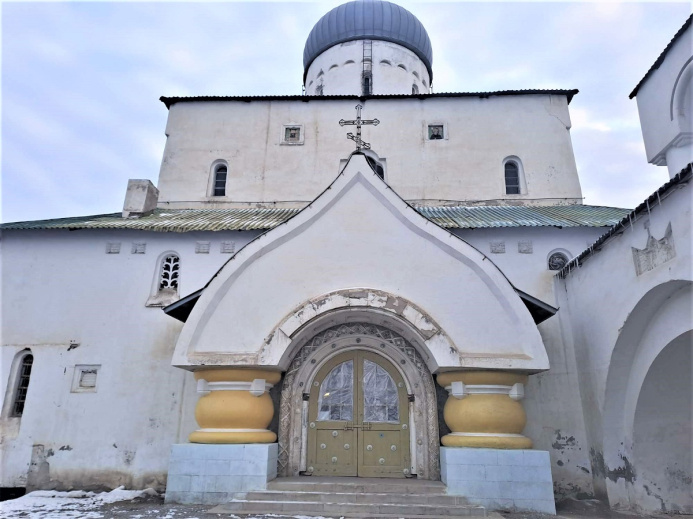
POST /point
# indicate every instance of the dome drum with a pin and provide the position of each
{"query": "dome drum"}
(364, 20)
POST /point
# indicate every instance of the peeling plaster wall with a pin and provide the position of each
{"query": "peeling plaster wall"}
(72, 304)
(662, 438)
(617, 322)
(552, 398)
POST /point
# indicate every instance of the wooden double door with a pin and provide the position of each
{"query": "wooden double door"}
(358, 418)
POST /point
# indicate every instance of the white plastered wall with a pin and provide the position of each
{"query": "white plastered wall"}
(394, 69)
(467, 165)
(666, 110)
(72, 304)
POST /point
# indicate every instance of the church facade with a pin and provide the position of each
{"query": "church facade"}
(367, 280)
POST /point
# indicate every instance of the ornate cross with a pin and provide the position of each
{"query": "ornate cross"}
(358, 122)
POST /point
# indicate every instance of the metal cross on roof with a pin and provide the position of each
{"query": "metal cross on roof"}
(358, 122)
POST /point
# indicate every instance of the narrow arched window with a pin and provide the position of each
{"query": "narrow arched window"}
(367, 84)
(512, 178)
(22, 387)
(220, 174)
(414, 89)
(168, 279)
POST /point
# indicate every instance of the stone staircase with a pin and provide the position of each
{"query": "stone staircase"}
(360, 498)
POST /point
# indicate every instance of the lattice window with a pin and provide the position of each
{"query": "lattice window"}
(22, 385)
(380, 397)
(170, 267)
(336, 400)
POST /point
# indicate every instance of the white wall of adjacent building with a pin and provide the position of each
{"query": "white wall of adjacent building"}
(665, 105)
(630, 331)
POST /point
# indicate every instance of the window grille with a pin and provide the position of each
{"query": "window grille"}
(557, 261)
(220, 174)
(169, 272)
(22, 386)
(512, 178)
(87, 378)
(436, 131)
(292, 134)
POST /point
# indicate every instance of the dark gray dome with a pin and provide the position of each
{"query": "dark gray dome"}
(368, 19)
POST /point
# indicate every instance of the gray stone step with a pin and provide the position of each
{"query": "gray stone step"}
(353, 497)
(357, 485)
(349, 509)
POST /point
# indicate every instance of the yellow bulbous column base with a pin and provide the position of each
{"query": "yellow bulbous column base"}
(483, 410)
(200, 436)
(236, 406)
(487, 442)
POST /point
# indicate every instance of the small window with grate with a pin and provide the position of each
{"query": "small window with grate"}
(436, 132)
(557, 261)
(292, 134)
(20, 393)
(220, 176)
(170, 266)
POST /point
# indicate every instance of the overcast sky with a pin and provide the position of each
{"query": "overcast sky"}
(81, 82)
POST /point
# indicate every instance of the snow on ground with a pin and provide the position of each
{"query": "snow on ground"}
(117, 503)
(49, 504)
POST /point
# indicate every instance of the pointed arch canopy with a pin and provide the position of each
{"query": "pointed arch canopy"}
(358, 235)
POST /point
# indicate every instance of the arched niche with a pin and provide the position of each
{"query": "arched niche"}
(659, 317)
(662, 437)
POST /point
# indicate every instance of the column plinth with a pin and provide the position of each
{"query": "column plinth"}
(484, 410)
(235, 407)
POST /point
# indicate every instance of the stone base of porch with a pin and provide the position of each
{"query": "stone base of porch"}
(212, 474)
(499, 479)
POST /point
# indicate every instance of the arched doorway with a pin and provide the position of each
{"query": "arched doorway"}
(389, 351)
(358, 418)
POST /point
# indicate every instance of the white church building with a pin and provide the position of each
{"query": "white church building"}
(368, 280)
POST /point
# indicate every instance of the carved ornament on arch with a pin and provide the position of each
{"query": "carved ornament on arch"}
(429, 333)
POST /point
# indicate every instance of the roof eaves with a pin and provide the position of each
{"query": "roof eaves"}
(661, 57)
(169, 101)
(680, 179)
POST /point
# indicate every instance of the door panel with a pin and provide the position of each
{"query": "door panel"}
(358, 418)
(331, 447)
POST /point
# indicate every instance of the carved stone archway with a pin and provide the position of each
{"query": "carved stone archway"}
(359, 335)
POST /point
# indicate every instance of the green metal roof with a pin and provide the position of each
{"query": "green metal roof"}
(451, 217)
